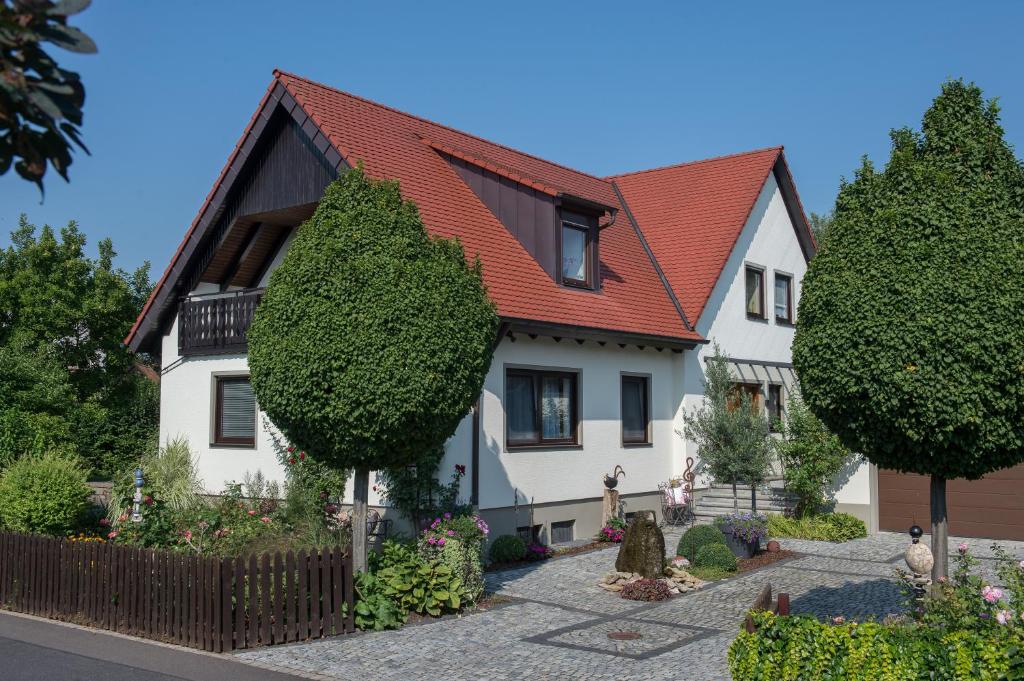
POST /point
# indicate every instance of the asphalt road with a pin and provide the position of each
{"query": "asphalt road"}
(38, 650)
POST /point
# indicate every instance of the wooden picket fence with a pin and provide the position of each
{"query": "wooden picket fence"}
(215, 604)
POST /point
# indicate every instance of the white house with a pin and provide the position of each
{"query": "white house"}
(609, 291)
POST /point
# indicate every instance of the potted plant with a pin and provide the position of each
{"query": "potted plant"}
(743, 532)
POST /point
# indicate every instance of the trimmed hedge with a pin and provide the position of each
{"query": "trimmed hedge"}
(803, 647)
(715, 556)
(507, 548)
(836, 527)
(696, 537)
(44, 494)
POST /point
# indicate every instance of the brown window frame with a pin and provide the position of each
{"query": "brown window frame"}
(775, 407)
(788, 319)
(588, 254)
(538, 376)
(755, 390)
(759, 271)
(218, 420)
(645, 384)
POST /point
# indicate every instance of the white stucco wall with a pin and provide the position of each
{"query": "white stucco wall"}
(545, 475)
(768, 240)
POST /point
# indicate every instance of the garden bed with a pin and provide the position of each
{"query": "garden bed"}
(743, 565)
(558, 553)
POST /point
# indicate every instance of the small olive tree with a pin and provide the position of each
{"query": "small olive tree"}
(373, 339)
(909, 342)
(732, 435)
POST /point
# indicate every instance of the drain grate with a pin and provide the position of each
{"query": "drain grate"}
(624, 635)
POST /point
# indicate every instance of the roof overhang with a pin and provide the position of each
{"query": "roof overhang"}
(582, 334)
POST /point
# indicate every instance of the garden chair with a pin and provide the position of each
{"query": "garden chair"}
(675, 502)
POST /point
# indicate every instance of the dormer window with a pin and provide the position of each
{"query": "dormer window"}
(576, 245)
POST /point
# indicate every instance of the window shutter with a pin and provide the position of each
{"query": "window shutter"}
(238, 410)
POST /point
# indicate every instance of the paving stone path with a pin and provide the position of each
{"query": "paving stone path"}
(557, 621)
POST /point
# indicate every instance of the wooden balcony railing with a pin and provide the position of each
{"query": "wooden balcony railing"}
(216, 324)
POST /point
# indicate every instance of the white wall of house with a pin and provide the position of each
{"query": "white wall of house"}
(768, 240)
(557, 474)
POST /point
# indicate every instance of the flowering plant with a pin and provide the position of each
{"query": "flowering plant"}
(967, 601)
(744, 526)
(469, 529)
(537, 551)
(614, 531)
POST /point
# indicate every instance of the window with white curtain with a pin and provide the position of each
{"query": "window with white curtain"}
(540, 407)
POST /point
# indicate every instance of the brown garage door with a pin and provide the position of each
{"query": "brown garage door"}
(992, 507)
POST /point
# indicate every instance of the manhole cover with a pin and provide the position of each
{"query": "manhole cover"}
(624, 635)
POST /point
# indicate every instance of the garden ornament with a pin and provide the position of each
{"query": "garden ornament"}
(920, 561)
(137, 497)
(610, 481)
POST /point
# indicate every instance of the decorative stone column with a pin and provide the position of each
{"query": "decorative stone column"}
(610, 506)
(920, 561)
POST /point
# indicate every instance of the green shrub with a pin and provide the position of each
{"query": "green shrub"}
(715, 556)
(170, 475)
(417, 585)
(374, 609)
(836, 527)
(696, 537)
(45, 494)
(507, 549)
(803, 647)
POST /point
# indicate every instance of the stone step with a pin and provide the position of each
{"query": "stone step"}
(723, 506)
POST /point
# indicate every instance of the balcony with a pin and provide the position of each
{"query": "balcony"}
(216, 323)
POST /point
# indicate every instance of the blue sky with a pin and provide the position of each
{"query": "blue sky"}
(602, 87)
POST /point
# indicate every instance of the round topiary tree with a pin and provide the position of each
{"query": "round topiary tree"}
(373, 339)
(909, 343)
(715, 556)
(696, 537)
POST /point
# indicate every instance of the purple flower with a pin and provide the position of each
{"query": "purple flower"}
(451, 533)
(447, 516)
(440, 541)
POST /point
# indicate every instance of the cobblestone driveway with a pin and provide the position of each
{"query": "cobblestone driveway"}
(557, 623)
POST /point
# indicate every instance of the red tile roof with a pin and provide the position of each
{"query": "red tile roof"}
(390, 145)
(692, 214)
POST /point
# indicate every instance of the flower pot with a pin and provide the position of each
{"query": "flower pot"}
(739, 548)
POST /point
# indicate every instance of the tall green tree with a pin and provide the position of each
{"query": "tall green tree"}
(909, 342)
(40, 102)
(66, 381)
(373, 339)
(732, 435)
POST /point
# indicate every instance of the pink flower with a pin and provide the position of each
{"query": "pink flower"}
(447, 516)
(112, 534)
(991, 594)
(104, 522)
(1003, 616)
(302, 456)
(1022, 565)
(123, 517)
(962, 548)
(188, 535)
(291, 449)
(148, 501)
(291, 461)
(451, 533)
(440, 541)
(251, 512)
(264, 520)
(838, 619)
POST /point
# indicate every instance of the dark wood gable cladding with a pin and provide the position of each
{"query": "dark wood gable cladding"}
(272, 182)
(530, 215)
(287, 172)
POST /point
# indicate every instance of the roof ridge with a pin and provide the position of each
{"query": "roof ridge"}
(778, 148)
(279, 72)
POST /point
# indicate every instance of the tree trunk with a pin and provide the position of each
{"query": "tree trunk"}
(360, 496)
(735, 498)
(753, 498)
(940, 528)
